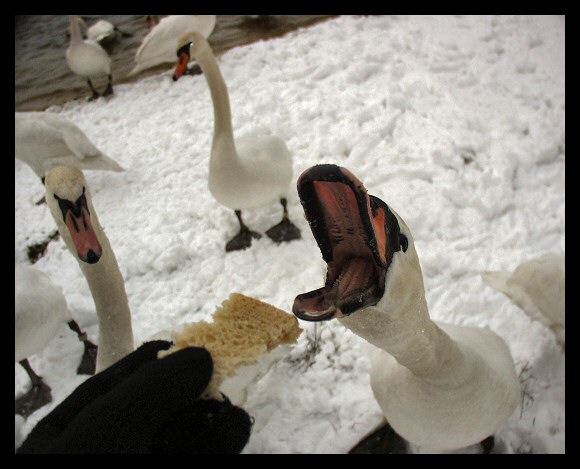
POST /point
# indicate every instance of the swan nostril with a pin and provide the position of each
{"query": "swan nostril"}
(92, 257)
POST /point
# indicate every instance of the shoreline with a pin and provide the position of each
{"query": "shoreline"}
(254, 30)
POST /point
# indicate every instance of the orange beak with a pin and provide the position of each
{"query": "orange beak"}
(182, 61)
(84, 237)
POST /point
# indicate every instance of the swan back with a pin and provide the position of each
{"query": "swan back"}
(158, 47)
(45, 140)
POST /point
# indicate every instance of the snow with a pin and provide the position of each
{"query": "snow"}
(456, 122)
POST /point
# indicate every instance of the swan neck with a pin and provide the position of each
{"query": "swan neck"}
(410, 336)
(75, 30)
(223, 130)
(110, 297)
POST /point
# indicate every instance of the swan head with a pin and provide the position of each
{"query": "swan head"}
(359, 237)
(189, 45)
(68, 197)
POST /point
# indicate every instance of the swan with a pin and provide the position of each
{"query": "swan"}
(537, 287)
(249, 172)
(69, 199)
(441, 387)
(40, 310)
(44, 140)
(87, 58)
(158, 47)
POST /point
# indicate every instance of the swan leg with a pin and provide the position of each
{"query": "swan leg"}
(109, 90)
(285, 230)
(95, 94)
(88, 362)
(244, 237)
(382, 440)
(38, 396)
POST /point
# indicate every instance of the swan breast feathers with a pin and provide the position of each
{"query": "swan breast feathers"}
(261, 173)
(40, 309)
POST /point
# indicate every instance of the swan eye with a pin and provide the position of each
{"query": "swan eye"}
(404, 242)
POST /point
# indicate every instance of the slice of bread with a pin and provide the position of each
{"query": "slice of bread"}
(244, 329)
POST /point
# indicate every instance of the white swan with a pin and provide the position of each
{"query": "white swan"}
(249, 172)
(40, 310)
(158, 47)
(537, 287)
(441, 387)
(87, 58)
(69, 199)
(45, 140)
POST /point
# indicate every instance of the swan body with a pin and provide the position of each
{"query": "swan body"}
(248, 172)
(69, 200)
(158, 47)
(537, 286)
(441, 387)
(40, 311)
(87, 58)
(44, 140)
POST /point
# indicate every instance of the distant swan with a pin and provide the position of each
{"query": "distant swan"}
(249, 172)
(40, 310)
(69, 200)
(87, 58)
(441, 387)
(158, 47)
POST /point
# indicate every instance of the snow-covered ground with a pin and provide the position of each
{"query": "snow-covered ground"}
(455, 122)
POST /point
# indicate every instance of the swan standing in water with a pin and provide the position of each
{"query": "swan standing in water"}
(440, 387)
(40, 310)
(69, 200)
(158, 47)
(87, 58)
(249, 172)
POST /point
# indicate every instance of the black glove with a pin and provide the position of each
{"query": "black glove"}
(142, 404)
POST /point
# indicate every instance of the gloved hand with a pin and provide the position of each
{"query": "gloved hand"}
(142, 404)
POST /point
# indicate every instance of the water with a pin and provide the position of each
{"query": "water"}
(43, 79)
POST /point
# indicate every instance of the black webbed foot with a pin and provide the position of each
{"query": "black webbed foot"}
(88, 363)
(38, 396)
(383, 440)
(109, 90)
(242, 240)
(284, 231)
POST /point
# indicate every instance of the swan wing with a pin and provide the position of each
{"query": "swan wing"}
(160, 44)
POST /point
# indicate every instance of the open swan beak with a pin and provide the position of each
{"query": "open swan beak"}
(357, 235)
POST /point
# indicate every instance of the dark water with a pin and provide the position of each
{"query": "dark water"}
(43, 79)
